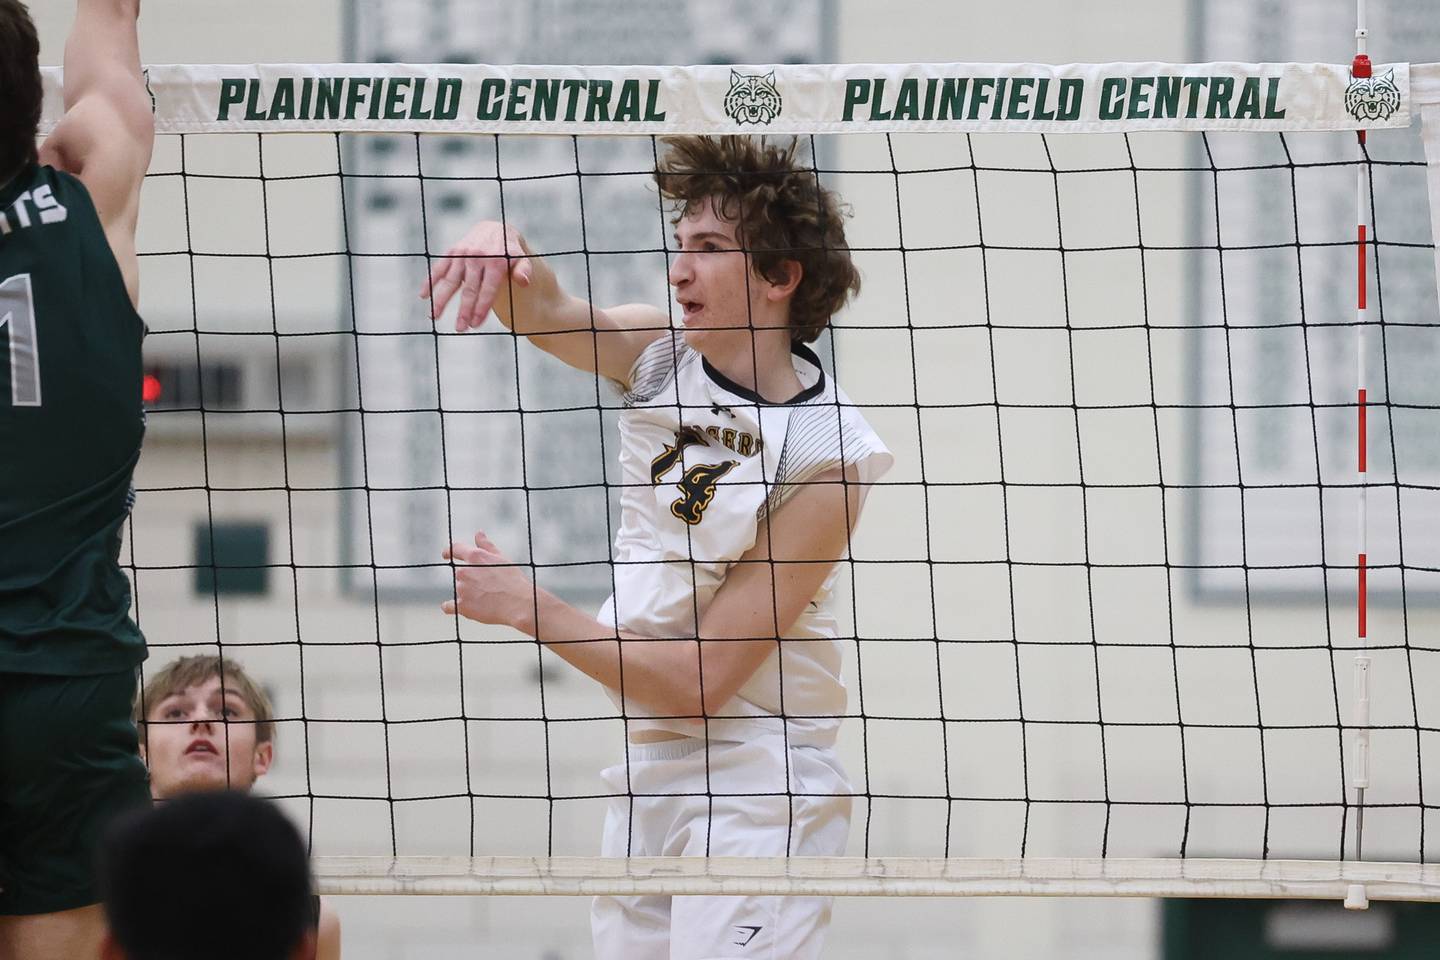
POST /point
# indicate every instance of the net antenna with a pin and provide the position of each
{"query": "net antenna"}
(1362, 69)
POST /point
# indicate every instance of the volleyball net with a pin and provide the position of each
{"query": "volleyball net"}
(1145, 339)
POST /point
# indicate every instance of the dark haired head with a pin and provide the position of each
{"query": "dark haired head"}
(20, 83)
(780, 213)
(218, 876)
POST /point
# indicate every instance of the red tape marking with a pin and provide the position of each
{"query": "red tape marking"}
(1361, 249)
(1362, 596)
(1361, 411)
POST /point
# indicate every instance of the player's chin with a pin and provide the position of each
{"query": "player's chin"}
(721, 340)
(697, 337)
(209, 778)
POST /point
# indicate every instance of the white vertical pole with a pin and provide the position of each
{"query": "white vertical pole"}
(1361, 69)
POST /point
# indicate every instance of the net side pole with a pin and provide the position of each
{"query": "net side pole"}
(1356, 897)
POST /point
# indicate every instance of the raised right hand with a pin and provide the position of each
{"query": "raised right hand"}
(487, 256)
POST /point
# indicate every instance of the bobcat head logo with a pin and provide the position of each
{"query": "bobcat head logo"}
(1372, 98)
(752, 99)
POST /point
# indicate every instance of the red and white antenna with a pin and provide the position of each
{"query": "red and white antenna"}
(1361, 69)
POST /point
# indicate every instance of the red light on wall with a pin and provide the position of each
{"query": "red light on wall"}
(150, 388)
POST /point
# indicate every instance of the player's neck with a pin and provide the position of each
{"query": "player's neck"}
(30, 160)
(759, 361)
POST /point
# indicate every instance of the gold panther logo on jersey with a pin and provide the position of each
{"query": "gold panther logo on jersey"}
(697, 485)
(697, 489)
(672, 454)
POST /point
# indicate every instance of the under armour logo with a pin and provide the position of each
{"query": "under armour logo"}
(746, 933)
(716, 410)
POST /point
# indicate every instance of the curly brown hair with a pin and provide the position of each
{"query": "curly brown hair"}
(20, 79)
(780, 211)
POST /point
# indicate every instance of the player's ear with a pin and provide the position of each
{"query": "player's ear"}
(264, 756)
(793, 273)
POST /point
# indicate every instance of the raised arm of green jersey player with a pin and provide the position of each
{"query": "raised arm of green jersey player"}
(108, 131)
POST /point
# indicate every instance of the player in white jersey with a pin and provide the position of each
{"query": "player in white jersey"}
(745, 470)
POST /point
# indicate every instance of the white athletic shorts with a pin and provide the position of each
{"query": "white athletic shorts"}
(676, 798)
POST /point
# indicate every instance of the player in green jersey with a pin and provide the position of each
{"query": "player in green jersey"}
(70, 432)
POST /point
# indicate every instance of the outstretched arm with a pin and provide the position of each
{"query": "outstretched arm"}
(492, 268)
(758, 603)
(108, 131)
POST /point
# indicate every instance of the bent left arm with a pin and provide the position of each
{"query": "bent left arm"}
(763, 595)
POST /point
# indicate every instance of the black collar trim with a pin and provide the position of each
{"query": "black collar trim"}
(809, 393)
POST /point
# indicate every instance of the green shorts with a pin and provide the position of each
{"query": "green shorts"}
(69, 764)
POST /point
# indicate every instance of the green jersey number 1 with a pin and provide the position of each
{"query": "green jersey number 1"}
(17, 319)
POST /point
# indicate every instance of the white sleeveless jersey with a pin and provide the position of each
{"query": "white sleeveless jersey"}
(703, 459)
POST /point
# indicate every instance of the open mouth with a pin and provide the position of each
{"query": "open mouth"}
(202, 747)
(690, 307)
